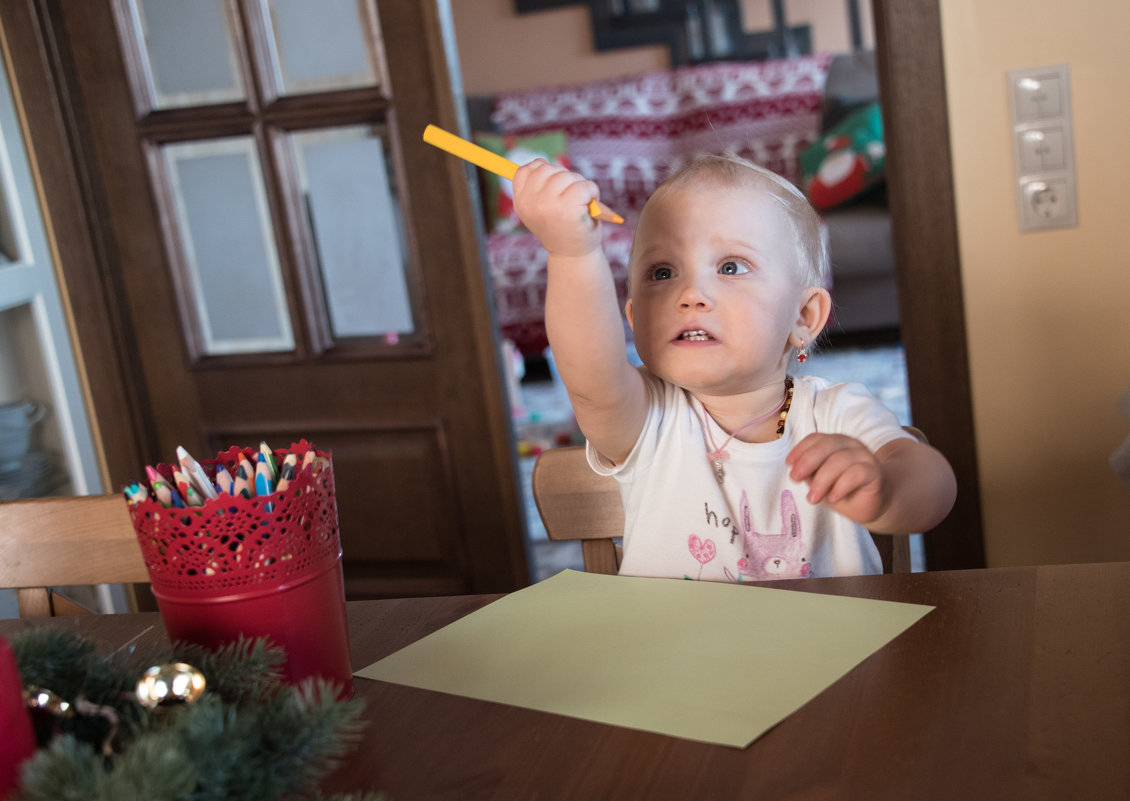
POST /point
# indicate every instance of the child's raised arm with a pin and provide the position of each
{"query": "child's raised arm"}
(582, 315)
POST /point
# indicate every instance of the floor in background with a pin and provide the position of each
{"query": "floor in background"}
(544, 419)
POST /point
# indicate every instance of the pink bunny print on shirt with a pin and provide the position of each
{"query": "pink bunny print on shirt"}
(772, 556)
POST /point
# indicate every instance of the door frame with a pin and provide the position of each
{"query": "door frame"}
(908, 45)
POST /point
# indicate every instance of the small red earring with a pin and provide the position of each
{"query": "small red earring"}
(802, 354)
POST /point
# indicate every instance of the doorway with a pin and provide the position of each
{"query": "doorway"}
(872, 333)
(46, 442)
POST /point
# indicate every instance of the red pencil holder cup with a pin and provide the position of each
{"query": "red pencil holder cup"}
(254, 567)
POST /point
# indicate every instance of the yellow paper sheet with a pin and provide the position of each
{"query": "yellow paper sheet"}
(703, 661)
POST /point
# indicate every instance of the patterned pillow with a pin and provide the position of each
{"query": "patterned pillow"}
(548, 145)
(847, 160)
(626, 134)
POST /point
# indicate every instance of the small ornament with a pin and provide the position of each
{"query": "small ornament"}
(172, 684)
(44, 700)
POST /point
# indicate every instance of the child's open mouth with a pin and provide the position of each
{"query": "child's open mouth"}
(695, 335)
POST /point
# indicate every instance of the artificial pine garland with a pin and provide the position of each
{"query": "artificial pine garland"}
(250, 736)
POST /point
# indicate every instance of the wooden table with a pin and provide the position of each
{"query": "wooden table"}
(1016, 686)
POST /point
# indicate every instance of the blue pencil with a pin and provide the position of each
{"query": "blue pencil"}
(264, 482)
(224, 481)
(135, 493)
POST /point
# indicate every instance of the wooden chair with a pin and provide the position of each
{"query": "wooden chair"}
(577, 504)
(61, 542)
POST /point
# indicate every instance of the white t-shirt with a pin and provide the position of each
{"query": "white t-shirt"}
(757, 525)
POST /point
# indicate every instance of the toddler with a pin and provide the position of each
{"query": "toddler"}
(729, 469)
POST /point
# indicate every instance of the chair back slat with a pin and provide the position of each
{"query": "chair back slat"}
(574, 502)
(55, 542)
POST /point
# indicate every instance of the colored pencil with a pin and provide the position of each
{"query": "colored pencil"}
(269, 455)
(195, 474)
(287, 471)
(163, 489)
(224, 481)
(492, 162)
(264, 483)
(135, 493)
(191, 496)
(244, 479)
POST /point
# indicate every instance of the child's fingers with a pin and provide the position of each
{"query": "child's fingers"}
(572, 188)
(856, 477)
(833, 478)
(534, 175)
(809, 454)
(553, 178)
(834, 467)
(552, 202)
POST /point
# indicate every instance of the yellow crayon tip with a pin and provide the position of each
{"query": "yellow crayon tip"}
(598, 211)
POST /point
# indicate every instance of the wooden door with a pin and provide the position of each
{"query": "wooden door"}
(248, 273)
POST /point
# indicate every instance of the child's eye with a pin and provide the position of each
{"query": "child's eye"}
(660, 273)
(731, 267)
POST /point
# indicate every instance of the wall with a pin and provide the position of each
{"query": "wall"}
(1047, 312)
(502, 50)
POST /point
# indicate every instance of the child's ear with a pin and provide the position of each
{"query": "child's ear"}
(816, 307)
(628, 314)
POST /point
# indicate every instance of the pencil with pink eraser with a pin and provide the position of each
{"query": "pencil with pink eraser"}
(492, 162)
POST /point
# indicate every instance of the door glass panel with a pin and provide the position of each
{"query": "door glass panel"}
(187, 52)
(352, 207)
(319, 46)
(227, 246)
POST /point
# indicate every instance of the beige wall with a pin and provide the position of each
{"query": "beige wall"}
(502, 50)
(1048, 316)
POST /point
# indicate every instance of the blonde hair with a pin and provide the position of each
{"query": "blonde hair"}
(808, 232)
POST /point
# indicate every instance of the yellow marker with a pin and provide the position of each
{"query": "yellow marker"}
(492, 162)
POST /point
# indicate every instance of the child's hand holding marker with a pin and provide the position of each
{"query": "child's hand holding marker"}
(191, 485)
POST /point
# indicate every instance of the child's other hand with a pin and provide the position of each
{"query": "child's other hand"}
(841, 473)
(553, 203)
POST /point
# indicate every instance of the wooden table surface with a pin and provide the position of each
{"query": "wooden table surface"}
(1016, 686)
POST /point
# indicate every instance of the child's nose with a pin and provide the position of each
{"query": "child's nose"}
(694, 295)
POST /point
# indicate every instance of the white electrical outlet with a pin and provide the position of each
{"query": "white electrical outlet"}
(1047, 202)
(1042, 146)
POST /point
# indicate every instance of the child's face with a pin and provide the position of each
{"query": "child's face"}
(715, 295)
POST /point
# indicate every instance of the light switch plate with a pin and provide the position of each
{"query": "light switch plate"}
(1043, 147)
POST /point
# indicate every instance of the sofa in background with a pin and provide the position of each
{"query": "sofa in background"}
(859, 230)
(627, 134)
